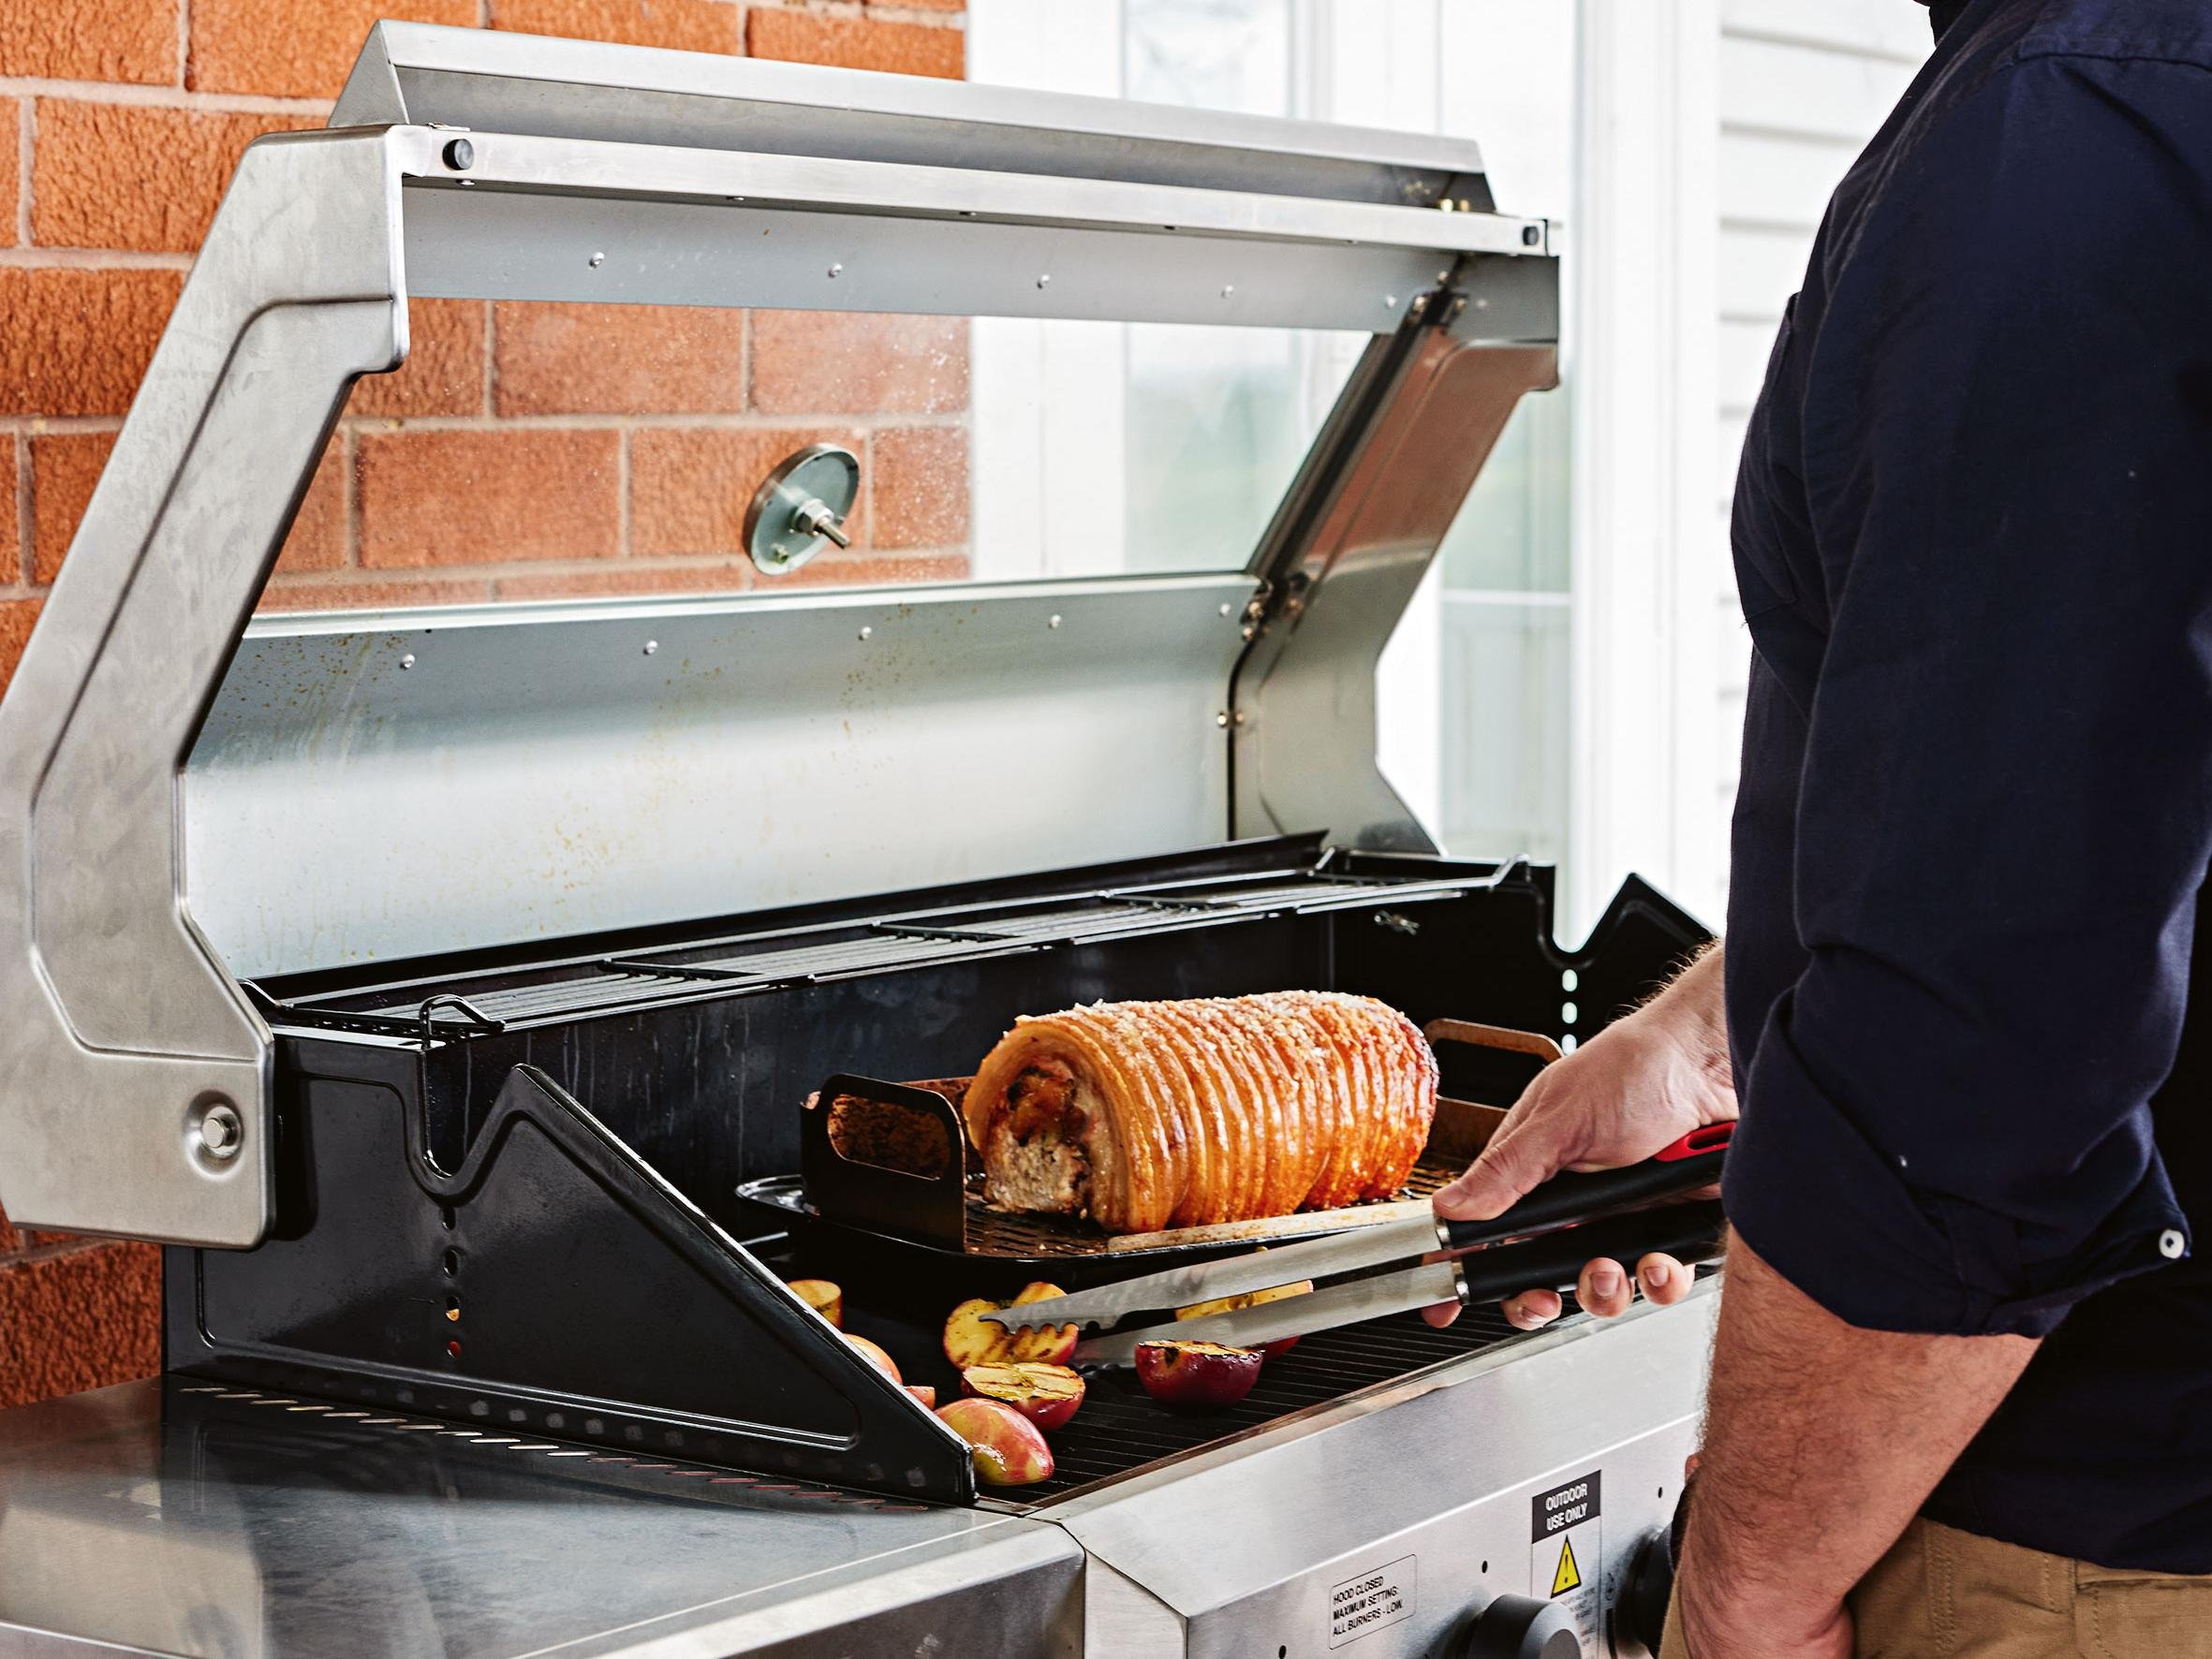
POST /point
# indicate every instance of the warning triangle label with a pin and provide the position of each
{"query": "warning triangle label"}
(1569, 1576)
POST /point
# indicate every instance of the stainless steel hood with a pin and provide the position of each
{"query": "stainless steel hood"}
(187, 800)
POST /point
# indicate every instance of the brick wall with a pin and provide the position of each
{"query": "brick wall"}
(523, 451)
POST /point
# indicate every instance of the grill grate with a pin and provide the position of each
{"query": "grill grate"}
(1121, 1428)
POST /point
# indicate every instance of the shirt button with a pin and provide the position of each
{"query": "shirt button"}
(2172, 1244)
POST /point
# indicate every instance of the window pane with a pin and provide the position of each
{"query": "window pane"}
(534, 452)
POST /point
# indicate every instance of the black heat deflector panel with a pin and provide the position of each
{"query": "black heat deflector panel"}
(573, 1124)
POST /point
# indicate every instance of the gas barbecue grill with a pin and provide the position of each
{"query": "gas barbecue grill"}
(450, 1020)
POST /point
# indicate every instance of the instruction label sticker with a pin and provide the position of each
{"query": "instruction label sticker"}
(1567, 1551)
(1371, 1601)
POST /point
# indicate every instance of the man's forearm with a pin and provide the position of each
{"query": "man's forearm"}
(1821, 1441)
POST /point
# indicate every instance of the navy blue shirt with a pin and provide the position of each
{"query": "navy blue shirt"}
(1973, 536)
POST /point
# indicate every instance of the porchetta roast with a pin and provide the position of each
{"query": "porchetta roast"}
(1151, 1115)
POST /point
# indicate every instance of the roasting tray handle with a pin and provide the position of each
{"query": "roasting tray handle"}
(917, 1202)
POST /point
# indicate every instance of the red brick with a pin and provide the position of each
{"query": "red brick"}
(126, 176)
(11, 1241)
(12, 551)
(919, 4)
(81, 1319)
(478, 497)
(294, 593)
(855, 43)
(444, 374)
(627, 576)
(687, 25)
(317, 538)
(16, 617)
(869, 570)
(920, 486)
(90, 39)
(690, 486)
(285, 49)
(856, 362)
(12, 155)
(78, 342)
(618, 359)
(65, 467)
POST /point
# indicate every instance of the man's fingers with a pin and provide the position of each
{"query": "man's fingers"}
(1441, 1314)
(1532, 1309)
(1511, 1166)
(1662, 1278)
(1603, 1288)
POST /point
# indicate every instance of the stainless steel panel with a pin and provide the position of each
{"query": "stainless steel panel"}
(562, 219)
(419, 73)
(521, 246)
(1347, 558)
(123, 1033)
(1249, 1542)
(378, 786)
(151, 1519)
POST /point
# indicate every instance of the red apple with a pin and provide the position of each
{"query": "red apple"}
(1197, 1376)
(1251, 1299)
(925, 1393)
(1047, 1395)
(824, 1298)
(876, 1357)
(972, 1339)
(1007, 1446)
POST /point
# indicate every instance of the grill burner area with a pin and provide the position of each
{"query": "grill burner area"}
(512, 1184)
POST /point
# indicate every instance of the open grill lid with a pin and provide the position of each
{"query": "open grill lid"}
(377, 786)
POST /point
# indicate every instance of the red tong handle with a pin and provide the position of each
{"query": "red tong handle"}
(1712, 1137)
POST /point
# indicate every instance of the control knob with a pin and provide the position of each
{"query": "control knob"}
(1521, 1627)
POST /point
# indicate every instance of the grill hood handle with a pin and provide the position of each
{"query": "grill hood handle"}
(138, 1072)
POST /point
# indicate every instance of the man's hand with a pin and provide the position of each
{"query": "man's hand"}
(1635, 1088)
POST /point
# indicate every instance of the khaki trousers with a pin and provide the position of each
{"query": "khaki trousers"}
(1941, 1593)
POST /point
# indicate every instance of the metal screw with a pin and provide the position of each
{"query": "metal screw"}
(1044, 281)
(652, 646)
(1221, 718)
(460, 154)
(866, 633)
(1391, 300)
(1530, 235)
(408, 661)
(1052, 622)
(1418, 308)
(1228, 289)
(2173, 1245)
(596, 260)
(1226, 609)
(1248, 631)
(221, 1134)
(1459, 305)
(835, 269)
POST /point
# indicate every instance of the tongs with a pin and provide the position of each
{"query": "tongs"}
(1541, 1241)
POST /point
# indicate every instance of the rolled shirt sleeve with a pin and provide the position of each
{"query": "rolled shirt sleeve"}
(2003, 814)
